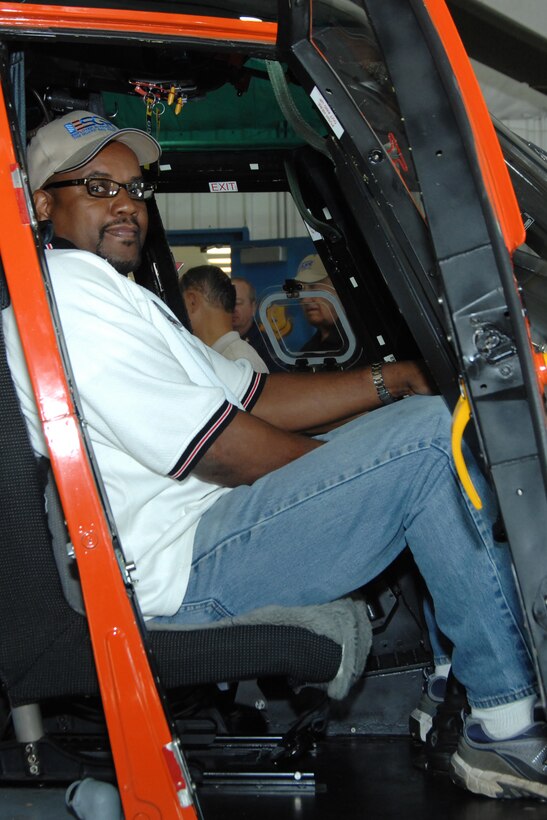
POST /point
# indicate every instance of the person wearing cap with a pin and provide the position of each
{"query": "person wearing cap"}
(210, 297)
(204, 465)
(320, 312)
(65, 161)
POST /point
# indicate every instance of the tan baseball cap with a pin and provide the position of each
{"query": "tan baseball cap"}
(311, 269)
(69, 142)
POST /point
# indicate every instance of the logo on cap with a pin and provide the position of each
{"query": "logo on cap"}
(88, 125)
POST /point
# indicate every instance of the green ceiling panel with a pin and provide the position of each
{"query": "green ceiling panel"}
(220, 120)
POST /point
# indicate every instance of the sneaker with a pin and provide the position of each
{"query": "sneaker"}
(421, 718)
(516, 767)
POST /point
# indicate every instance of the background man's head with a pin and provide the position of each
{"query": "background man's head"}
(96, 216)
(318, 311)
(245, 305)
(210, 298)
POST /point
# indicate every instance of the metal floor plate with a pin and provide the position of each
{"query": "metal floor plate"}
(359, 777)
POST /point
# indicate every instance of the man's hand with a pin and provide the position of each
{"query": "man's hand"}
(407, 379)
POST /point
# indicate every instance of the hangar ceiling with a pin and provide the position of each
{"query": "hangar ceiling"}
(504, 42)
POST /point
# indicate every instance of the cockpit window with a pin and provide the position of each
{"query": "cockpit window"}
(342, 33)
(304, 324)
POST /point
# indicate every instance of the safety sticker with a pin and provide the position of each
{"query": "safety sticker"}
(222, 187)
(315, 236)
(327, 112)
(527, 220)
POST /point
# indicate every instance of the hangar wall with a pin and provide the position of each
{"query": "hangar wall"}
(265, 215)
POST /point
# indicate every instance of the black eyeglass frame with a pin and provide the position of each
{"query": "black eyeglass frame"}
(144, 190)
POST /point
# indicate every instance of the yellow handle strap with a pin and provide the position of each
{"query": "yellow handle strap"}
(460, 418)
(541, 367)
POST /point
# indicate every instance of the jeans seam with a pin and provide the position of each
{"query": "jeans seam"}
(479, 524)
(501, 700)
(271, 516)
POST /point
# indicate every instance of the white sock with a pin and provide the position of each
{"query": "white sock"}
(442, 670)
(506, 720)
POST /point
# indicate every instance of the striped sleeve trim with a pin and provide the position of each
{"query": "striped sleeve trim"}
(254, 390)
(201, 443)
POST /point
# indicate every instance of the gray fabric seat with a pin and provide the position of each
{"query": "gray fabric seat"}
(345, 621)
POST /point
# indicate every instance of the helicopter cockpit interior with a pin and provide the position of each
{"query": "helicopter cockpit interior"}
(297, 147)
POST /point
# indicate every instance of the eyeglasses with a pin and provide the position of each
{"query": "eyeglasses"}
(107, 188)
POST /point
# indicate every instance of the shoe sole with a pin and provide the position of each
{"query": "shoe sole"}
(419, 724)
(494, 784)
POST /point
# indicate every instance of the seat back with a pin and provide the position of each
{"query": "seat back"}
(37, 623)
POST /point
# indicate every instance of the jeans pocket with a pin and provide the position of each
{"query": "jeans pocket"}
(196, 612)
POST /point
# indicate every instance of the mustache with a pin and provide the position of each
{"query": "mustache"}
(128, 220)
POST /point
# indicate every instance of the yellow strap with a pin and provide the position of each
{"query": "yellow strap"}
(460, 418)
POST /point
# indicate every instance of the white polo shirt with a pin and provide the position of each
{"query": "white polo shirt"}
(232, 346)
(154, 398)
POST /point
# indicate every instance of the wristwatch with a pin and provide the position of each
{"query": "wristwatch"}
(378, 380)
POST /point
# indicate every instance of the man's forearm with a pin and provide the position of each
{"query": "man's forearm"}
(257, 443)
(248, 449)
(300, 401)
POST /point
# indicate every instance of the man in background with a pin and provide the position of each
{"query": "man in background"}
(244, 320)
(320, 312)
(210, 298)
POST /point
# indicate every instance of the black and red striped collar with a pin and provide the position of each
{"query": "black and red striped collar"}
(58, 243)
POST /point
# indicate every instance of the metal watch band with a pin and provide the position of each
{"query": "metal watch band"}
(378, 380)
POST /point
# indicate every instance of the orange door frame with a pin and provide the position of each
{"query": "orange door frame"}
(152, 775)
(489, 154)
(490, 157)
(126, 22)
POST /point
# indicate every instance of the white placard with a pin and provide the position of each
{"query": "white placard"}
(327, 112)
(222, 187)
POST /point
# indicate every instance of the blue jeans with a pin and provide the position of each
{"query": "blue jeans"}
(332, 520)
